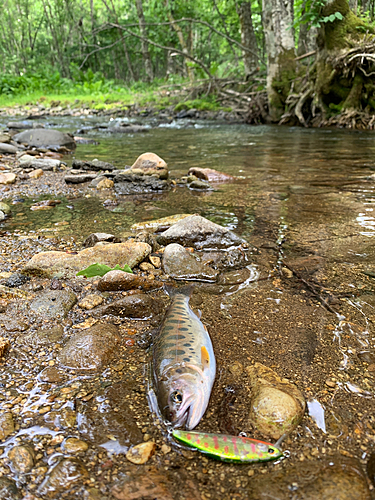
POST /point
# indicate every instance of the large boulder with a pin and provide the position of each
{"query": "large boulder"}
(200, 233)
(53, 304)
(151, 164)
(180, 264)
(40, 137)
(63, 264)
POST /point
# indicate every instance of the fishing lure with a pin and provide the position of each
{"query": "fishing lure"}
(229, 448)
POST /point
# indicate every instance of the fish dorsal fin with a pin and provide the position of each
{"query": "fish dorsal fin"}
(199, 313)
(205, 358)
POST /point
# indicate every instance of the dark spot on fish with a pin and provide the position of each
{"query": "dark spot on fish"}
(178, 370)
(187, 359)
(169, 346)
(179, 352)
(176, 337)
(183, 329)
(175, 321)
(187, 345)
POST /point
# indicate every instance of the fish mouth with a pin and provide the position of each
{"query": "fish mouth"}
(183, 414)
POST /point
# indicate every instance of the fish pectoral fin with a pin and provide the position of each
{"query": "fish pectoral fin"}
(205, 358)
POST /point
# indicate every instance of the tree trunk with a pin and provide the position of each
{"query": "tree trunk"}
(281, 65)
(145, 51)
(307, 37)
(353, 4)
(248, 38)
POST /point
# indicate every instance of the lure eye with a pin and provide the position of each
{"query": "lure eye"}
(271, 451)
(176, 397)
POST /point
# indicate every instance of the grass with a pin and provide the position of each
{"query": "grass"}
(158, 95)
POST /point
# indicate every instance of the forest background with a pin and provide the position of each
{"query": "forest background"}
(307, 62)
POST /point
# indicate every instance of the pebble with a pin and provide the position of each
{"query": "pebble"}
(35, 174)
(74, 445)
(4, 346)
(105, 184)
(141, 453)
(7, 178)
(330, 383)
(6, 425)
(155, 261)
(4, 207)
(90, 301)
(146, 266)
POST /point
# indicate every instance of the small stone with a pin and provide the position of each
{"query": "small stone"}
(165, 449)
(63, 475)
(120, 280)
(155, 261)
(146, 266)
(44, 409)
(90, 301)
(35, 174)
(22, 459)
(6, 425)
(330, 383)
(105, 184)
(52, 375)
(8, 489)
(141, 453)
(200, 185)
(4, 207)
(8, 178)
(287, 272)
(236, 368)
(74, 445)
(95, 238)
(4, 346)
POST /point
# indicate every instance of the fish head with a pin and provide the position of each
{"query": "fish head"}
(183, 400)
(267, 451)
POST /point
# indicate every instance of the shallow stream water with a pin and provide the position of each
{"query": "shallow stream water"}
(305, 200)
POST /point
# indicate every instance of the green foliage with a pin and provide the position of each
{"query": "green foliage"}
(101, 270)
(199, 104)
(310, 12)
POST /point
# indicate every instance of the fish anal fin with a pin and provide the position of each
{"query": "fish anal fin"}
(205, 358)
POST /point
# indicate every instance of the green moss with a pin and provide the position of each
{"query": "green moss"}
(200, 105)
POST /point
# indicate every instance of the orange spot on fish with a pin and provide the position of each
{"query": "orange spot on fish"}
(225, 439)
(216, 442)
(189, 437)
(226, 449)
(205, 445)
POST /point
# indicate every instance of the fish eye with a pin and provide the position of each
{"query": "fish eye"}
(271, 451)
(176, 397)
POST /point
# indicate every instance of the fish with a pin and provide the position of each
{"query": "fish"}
(183, 363)
(229, 448)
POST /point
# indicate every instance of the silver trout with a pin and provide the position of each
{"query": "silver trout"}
(184, 364)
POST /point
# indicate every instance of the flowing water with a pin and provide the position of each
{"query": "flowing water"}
(305, 200)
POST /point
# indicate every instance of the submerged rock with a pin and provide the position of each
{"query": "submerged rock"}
(63, 475)
(41, 137)
(179, 263)
(158, 225)
(6, 425)
(119, 280)
(48, 336)
(8, 489)
(135, 182)
(91, 349)
(200, 233)
(210, 175)
(63, 264)
(16, 280)
(53, 304)
(21, 458)
(277, 406)
(141, 453)
(139, 306)
(338, 478)
(111, 417)
(90, 301)
(151, 164)
(95, 238)
(74, 445)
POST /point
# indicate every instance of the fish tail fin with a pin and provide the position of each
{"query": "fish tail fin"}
(172, 290)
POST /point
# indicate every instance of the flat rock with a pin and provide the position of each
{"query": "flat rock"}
(52, 375)
(45, 164)
(44, 337)
(210, 175)
(7, 148)
(40, 137)
(79, 179)
(90, 301)
(135, 182)
(120, 280)
(200, 233)
(7, 178)
(95, 238)
(309, 264)
(5, 137)
(338, 478)
(135, 306)
(200, 185)
(179, 263)
(23, 125)
(53, 304)
(277, 406)
(10, 324)
(97, 421)
(91, 349)
(151, 164)
(6, 425)
(5, 208)
(158, 225)
(63, 475)
(74, 445)
(95, 165)
(62, 264)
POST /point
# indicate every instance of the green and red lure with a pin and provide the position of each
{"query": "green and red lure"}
(229, 448)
